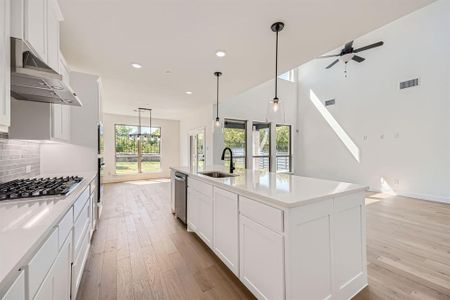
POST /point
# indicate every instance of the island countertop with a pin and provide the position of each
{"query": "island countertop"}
(280, 189)
(25, 223)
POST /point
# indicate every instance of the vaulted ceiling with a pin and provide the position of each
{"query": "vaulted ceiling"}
(176, 41)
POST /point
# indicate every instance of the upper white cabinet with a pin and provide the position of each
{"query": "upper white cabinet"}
(53, 18)
(37, 23)
(5, 99)
(226, 228)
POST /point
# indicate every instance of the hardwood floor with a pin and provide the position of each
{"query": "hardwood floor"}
(140, 251)
(408, 249)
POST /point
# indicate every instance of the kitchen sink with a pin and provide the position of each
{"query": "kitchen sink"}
(216, 174)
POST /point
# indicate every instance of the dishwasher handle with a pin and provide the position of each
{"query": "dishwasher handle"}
(180, 178)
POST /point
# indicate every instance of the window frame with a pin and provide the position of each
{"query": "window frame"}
(138, 160)
(245, 138)
(270, 146)
(289, 155)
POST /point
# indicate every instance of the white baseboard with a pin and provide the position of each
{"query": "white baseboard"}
(420, 196)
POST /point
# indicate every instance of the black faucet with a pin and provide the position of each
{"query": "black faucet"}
(231, 158)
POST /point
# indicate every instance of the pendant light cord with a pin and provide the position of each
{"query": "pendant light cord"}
(276, 67)
(217, 105)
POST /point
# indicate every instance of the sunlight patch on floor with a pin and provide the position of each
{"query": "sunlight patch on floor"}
(148, 181)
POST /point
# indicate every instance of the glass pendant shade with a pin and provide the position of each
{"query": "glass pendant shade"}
(275, 111)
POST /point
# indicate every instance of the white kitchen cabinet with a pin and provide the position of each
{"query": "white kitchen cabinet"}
(261, 260)
(40, 121)
(53, 42)
(56, 285)
(226, 228)
(29, 23)
(5, 98)
(193, 210)
(17, 290)
(200, 210)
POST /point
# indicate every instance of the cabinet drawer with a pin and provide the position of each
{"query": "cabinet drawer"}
(263, 214)
(41, 262)
(17, 290)
(201, 187)
(79, 203)
(78, 265)
(80, 228)
(64, 227)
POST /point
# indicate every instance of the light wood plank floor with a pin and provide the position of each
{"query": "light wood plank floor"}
(141, 252)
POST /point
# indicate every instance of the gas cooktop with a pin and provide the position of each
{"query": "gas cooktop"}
(38, 187)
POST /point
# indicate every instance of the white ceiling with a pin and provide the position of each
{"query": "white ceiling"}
(105, 36)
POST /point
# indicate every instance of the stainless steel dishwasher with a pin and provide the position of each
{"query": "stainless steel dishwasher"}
(181, 196)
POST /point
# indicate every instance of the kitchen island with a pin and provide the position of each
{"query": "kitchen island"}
(283, 236)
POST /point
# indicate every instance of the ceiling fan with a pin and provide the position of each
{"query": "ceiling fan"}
(349, 53)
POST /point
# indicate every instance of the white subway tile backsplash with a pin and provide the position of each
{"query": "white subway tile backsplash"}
(15, 156)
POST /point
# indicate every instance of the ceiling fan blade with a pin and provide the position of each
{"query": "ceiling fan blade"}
(332, 64)
(332, 55)
(358, 58)
(378, 44)
(348, 45)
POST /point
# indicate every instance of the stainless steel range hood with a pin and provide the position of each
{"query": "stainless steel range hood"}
(33, 80)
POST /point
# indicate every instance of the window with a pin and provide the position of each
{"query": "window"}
(235, 137)
(197, 152)
(137, 155)
(261, 146)
(283, 148)
(288, 76)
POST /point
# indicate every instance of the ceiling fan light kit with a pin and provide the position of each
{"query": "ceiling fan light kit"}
(348, 53)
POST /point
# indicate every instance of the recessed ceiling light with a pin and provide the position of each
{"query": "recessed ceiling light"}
(189, 92)
(221, 53)
(136, 66)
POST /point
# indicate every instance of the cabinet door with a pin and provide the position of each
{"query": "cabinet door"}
(205, 230)
(193, 210)
(65, 122)
(56, 121)
(36, 26)
(226, 230)
(62, 271)
(5, 100)
(56, 285)
(17, 290)
(261, 260)
(52, 36)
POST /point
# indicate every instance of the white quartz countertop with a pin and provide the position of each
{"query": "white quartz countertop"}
(284, 190)
(24, 224)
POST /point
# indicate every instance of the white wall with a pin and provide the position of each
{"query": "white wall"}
(407, 131)
(170, 145)
(250, 105)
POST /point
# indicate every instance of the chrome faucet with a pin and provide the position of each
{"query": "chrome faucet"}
(231, 158)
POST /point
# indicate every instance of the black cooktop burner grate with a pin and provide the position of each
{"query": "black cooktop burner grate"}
(38, 187)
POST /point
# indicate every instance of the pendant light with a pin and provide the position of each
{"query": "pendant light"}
(217, 122)
(275, 109)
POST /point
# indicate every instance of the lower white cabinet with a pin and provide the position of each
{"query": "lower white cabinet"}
(261, 260)
(56, 285)
(200, 210)
(17, 290)
(226, 228)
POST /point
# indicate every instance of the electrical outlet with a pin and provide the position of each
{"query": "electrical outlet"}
(382, 136)
(365, 137)
(397, 135)
(396, 181)
(28, 169)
